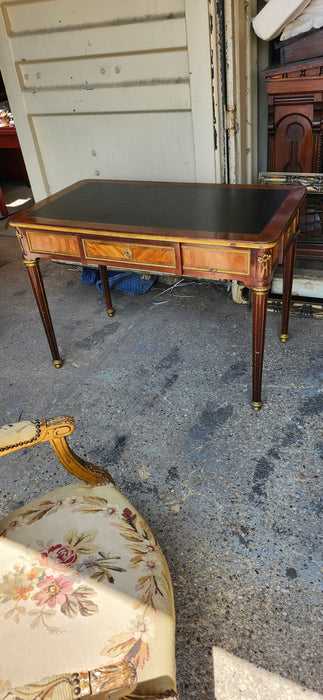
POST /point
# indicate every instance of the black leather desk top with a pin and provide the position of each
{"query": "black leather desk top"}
(235, 210)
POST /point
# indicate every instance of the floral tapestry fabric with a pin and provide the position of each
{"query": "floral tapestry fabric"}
(24, 431)
(83, 583)
(32, 589)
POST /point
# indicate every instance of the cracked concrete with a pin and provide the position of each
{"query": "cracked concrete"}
(161, 396)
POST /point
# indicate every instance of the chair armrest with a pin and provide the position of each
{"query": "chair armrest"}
(16, 436)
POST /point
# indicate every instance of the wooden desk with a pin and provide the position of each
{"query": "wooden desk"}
(206, 231)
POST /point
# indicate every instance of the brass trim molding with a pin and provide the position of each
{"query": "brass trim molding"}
(260, 290)
(256, 405)
(31, 263)
(265, 262)
(312, 181)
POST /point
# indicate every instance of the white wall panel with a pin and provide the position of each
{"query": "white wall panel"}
(101, 40)
(56, 15)
(168, 66)
(197, 18)
(155, 98)
(130, 81)
(142, 147)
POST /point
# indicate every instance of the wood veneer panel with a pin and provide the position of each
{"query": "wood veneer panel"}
(52, 243)
(207, 259)
(134, 253)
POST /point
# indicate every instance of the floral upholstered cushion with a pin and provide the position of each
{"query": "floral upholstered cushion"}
(83, 584)
(14, 433)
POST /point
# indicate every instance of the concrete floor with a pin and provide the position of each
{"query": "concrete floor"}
(160, 395)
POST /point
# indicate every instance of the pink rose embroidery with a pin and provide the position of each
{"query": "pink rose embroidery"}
(53, 591)
(61, 554)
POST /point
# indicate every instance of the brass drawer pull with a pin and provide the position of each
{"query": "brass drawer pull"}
(127, 252)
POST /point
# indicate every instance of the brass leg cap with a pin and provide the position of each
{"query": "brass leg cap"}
(284, 337)
(256, 405)
(110, 312)
(57, 363)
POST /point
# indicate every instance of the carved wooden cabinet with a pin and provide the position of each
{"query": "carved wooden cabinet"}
(295, 116)
(295, 137)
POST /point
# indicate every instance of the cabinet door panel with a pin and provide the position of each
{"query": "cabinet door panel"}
(293, 144)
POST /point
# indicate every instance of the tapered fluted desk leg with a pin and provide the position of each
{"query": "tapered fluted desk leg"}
(287, 289)
(106, 289)
(259, 309)
(40, 296)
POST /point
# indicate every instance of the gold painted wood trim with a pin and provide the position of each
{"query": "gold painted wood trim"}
(260, 290)
(83, 470)
(110, 680)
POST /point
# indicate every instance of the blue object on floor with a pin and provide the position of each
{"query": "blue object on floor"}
(89, 275)
(132, 282)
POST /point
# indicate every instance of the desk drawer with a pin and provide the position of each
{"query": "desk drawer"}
(210, 260)
(52, 243)
(130, 254)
